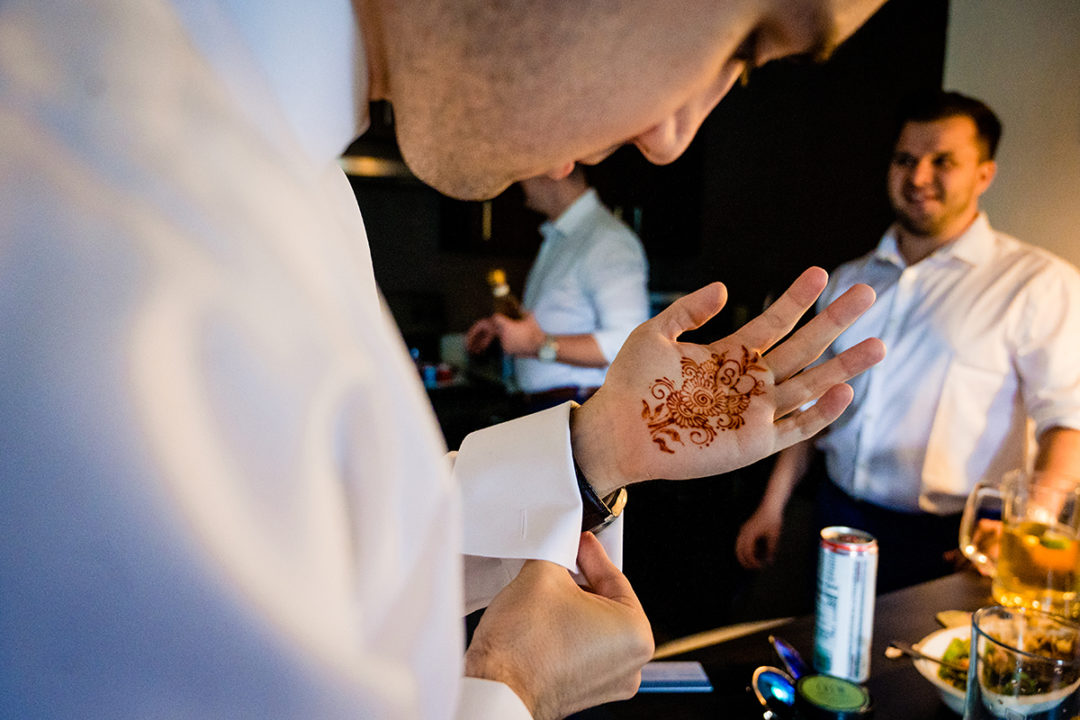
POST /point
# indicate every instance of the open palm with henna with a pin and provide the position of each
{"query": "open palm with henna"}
(711, 396)
(679, 410)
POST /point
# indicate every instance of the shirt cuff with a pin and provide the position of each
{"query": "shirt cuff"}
(519, 489)
(489, 700)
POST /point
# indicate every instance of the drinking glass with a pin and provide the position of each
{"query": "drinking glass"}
(1024, 665)
(1038, 550)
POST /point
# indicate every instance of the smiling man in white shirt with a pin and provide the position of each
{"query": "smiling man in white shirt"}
(981, 376)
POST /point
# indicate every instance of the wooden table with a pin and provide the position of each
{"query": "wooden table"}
(898, 690)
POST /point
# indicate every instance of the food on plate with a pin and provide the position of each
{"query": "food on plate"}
(1000, 667)
(958, 651)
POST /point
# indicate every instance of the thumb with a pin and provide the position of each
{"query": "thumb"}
(692, 311)
(601, 574)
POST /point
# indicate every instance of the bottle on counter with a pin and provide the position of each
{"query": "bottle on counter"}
(504, 301)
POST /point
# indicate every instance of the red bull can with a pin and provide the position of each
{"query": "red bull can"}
(844, 618)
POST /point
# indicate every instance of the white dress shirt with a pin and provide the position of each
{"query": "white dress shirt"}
(222, 491)
(983, 338)
(590, 277)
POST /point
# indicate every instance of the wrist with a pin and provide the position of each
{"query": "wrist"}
(548, 350)
(773, 505)
(595, 452)
(535, 337)
(598, 511)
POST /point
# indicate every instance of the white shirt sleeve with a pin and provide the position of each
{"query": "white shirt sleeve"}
(617, 278)
(489, 700)
(1046, 351)
(521, 501)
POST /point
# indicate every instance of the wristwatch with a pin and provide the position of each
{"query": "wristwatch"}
(597, 512)
(549, 349)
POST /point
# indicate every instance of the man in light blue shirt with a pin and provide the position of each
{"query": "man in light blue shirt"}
(585, 292)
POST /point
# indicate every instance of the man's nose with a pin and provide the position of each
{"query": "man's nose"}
(667, 140)
(922, 173)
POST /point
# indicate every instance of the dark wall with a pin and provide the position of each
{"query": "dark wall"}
(787, 172)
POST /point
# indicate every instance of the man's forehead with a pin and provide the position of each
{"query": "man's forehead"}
(949, 134)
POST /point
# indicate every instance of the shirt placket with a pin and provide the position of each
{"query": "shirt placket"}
(870, 436)
(538, 272)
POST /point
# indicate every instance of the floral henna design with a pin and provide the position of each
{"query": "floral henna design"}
(713, 397)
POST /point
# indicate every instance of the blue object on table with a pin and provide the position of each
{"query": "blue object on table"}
(790, 657)
(775, 690)
(674, 676)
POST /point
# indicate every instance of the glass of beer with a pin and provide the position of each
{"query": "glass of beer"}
(1037, 562)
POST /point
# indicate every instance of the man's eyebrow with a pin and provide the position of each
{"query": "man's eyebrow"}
(823, 38)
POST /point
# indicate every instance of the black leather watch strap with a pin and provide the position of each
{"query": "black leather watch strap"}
(598, 512)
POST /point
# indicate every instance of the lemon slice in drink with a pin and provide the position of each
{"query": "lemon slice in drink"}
(1055, 551)
(1054, 540)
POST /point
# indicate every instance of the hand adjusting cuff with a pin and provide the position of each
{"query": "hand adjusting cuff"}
(598, 513)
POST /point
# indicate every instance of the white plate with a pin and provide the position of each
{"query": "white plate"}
(934, 645)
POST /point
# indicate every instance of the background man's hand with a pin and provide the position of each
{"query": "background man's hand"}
(755, 547)
(520, 338)
(480, 335)
(987, 538)
(560, 647)
(676, 410)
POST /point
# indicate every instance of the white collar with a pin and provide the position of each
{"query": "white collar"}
(973, 246)
(574, 215)
(310, 54)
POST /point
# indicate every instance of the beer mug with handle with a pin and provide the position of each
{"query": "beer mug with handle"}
(1037, 562)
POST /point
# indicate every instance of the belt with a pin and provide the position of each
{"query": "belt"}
(560, 395)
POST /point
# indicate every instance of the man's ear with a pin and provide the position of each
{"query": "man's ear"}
(985, 174)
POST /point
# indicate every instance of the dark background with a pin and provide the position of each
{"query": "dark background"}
(787, 172)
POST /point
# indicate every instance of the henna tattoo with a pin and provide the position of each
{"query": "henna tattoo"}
(712, 398)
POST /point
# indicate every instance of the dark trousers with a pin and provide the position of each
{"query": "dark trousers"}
(911, 546)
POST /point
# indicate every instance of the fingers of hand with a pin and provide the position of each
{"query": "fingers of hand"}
(744, 550)
(808, 385)
(807, 344)
(608, 583)
(500, 322)
(691, 311)
(756, 544)
(779, 318)
(559, 647)
(601, 574)
(803, 424)
(479, 336)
